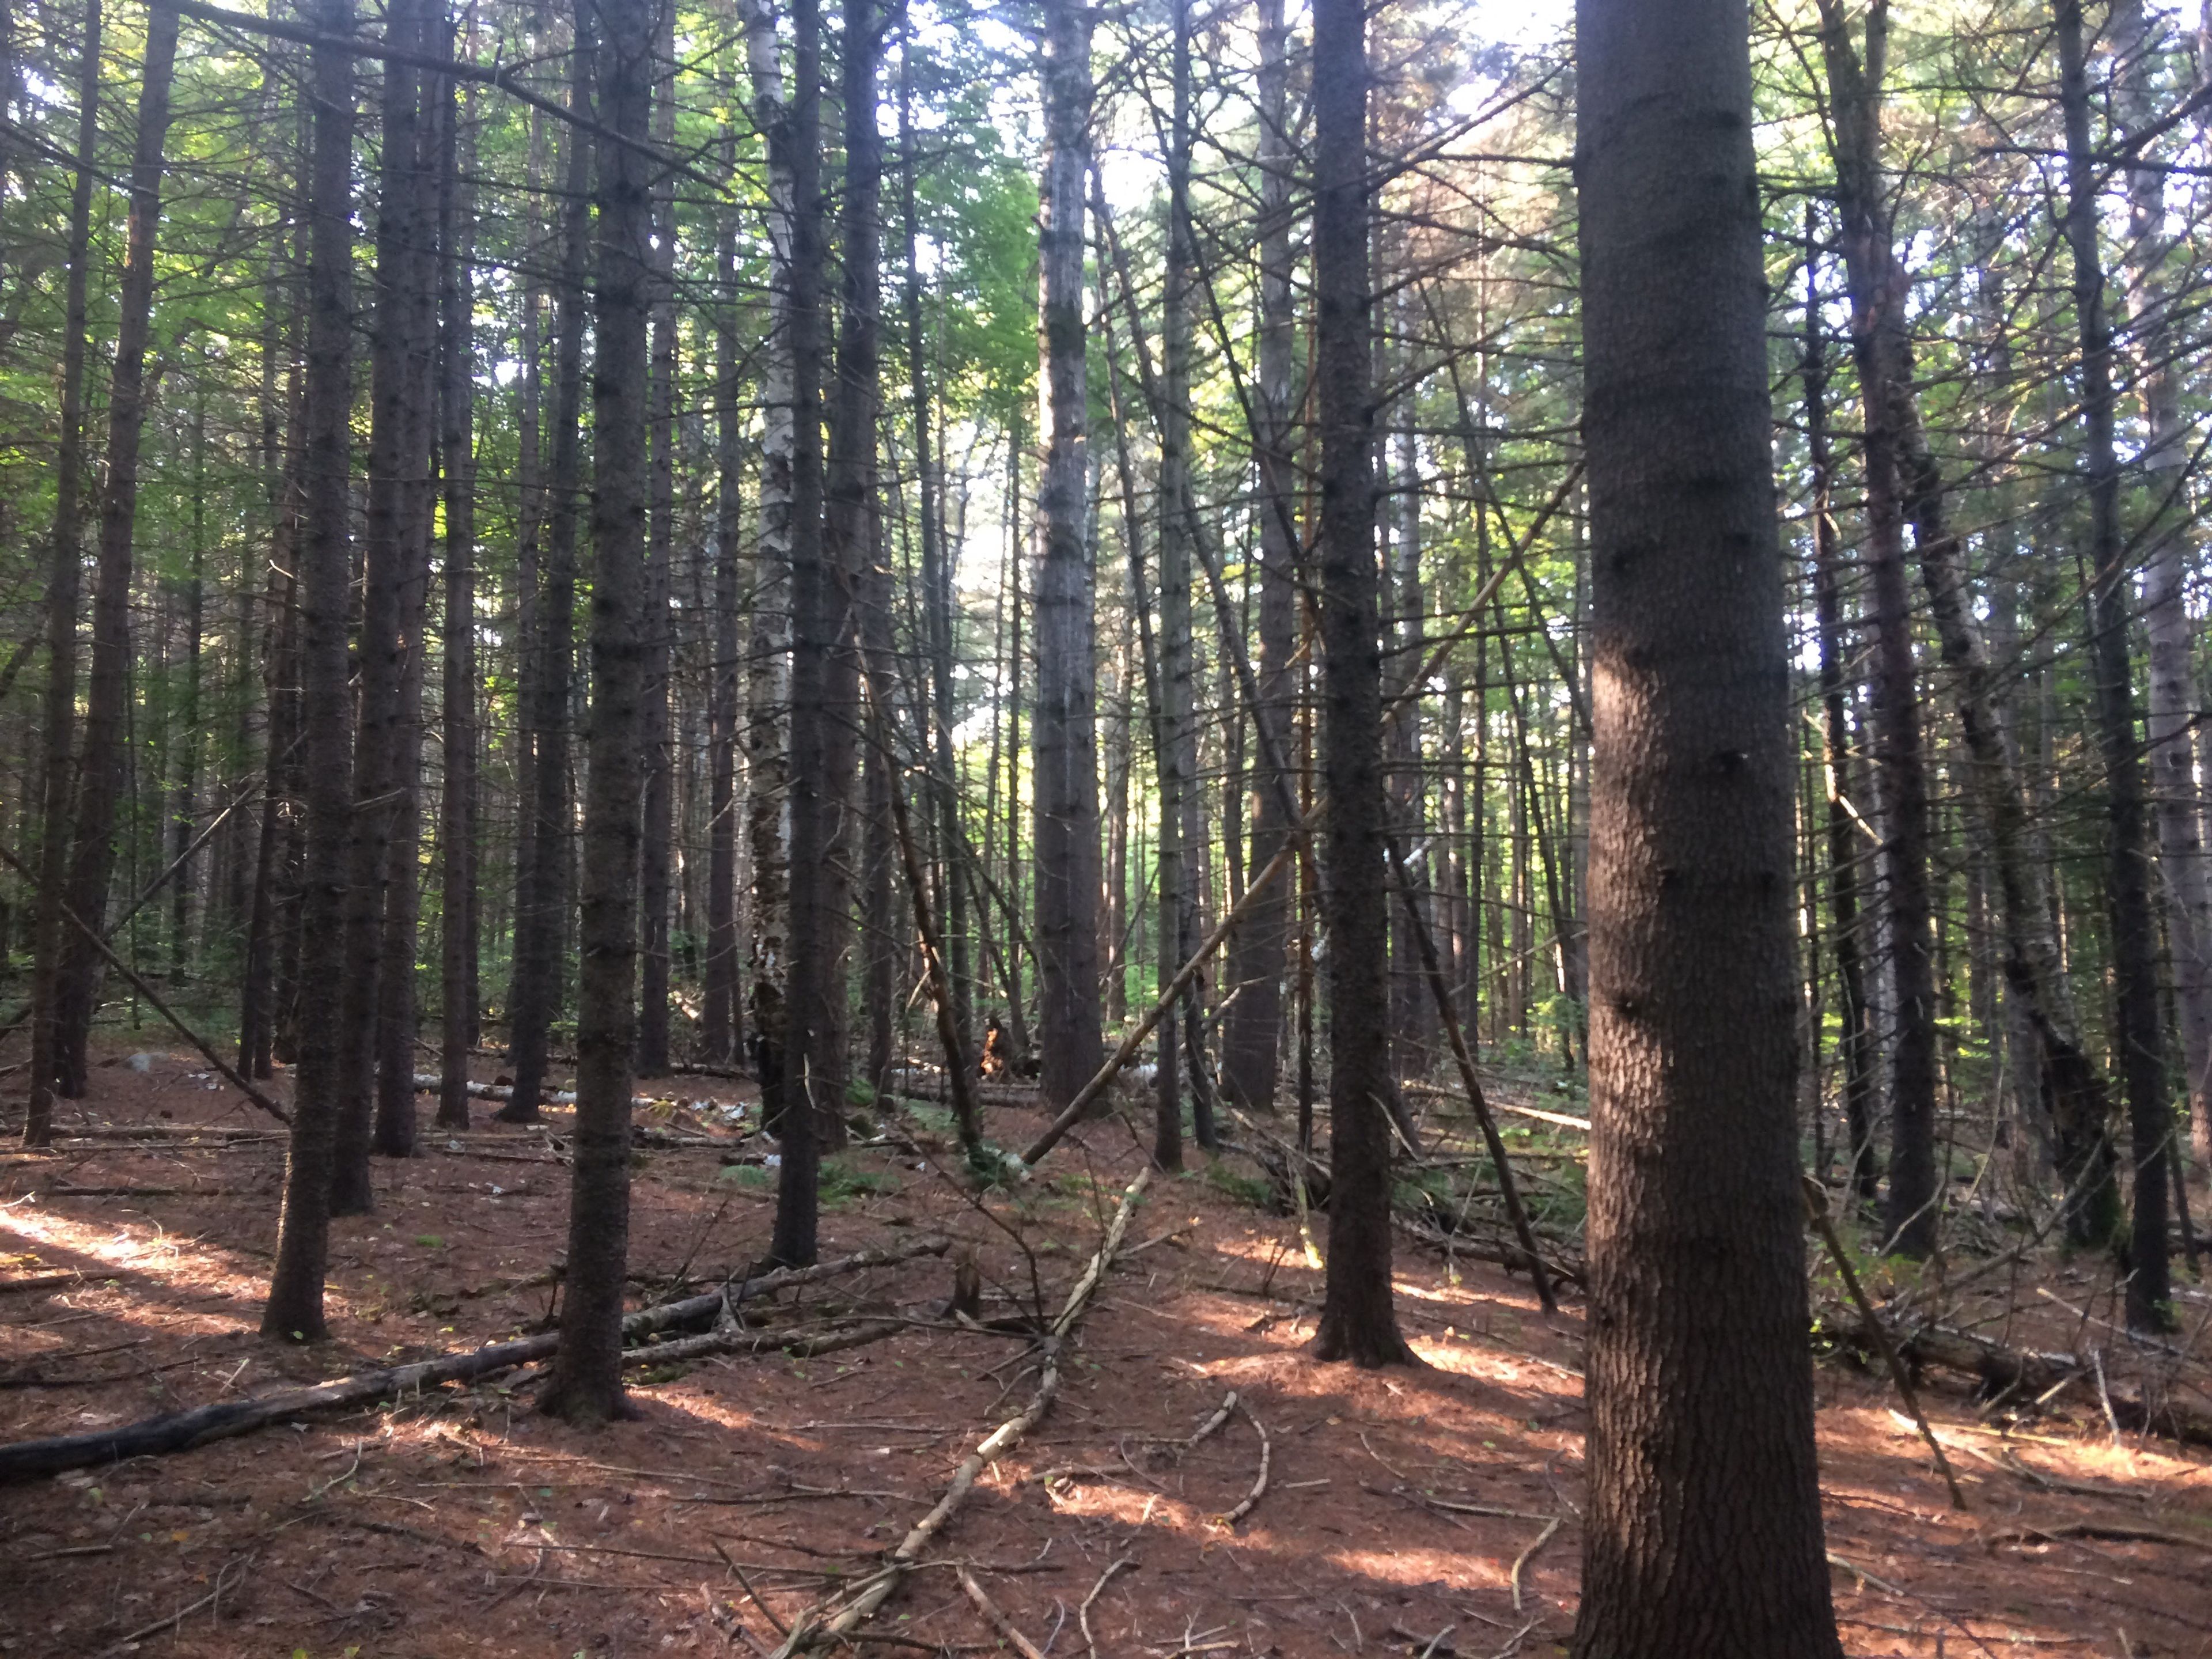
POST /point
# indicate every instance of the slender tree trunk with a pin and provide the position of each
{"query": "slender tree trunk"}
(456, 444)
(655, 855)
(294, 1309)
(2173, 699)
(542, 881)
(185, 802)
(585, 1383)
(1253, 1034)
(719, 1026)
(937, 581)
(396, 1018)
(100, 775)
(818, 620)
(2137, 1034)
(386, 566)
(1064, 737)
(1878, 346)
(1700, 1383)
(1856, 1043)
(1358, 1320)
(64, 584)
(769, 660)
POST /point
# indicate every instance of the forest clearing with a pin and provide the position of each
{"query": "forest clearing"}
(1427, 1512)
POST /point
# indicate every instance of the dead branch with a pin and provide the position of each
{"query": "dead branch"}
(1260, 1485)
(997, 1619)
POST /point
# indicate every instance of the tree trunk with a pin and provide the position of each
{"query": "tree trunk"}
(655, 852)
(1898, 447)
(394, 459)
(542, 878)
(1878, 346)
(294, 1309)
(768, 664)
(2137, 1033)
(64, 584)
(938, 591)
(100, 781)
(585, 1383)
(1253, 1034)
(184, 800)
(818, 618)
(1864, 1173)
(456, 444)
(1358, 1320)
(1700, 1383)
(1065, 853)
(719, 1020)
(2174, 700)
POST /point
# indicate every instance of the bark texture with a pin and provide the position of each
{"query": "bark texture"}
(1700, 1382)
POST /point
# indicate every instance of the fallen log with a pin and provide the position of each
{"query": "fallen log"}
(182, 1431)
(2002, 1370)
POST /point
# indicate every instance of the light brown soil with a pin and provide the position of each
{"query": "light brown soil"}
(460, 1523)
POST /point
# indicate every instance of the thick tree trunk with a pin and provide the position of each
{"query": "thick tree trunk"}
(1700, 1383)
(585, 1384)
(101, 773)
(64, 585)
(2137, 1034)
(1063, 735)
(767, 733)
(542, 883)
(294, 1309)
(1358, 1320)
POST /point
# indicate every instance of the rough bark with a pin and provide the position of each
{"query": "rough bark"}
(1700, 1383)
(1358, 1320)
(1064, 736)
(295, 1308)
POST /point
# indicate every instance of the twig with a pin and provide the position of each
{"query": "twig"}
(1259, 1486)
(222, 1584)
(1816, 1211)
(1082, 1613)
(997, 1619)
(767, 1612)
(1522, 1559)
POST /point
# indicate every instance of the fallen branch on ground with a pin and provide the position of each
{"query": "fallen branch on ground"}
(872, 1595)
(181, 1431)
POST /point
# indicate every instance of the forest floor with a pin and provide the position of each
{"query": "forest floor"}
(1430, 1512)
